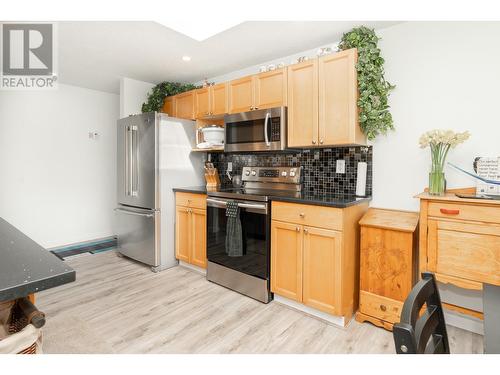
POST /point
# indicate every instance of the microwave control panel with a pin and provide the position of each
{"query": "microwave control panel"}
(275, 129)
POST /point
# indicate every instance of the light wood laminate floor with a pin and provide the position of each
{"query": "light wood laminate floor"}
(120, 306)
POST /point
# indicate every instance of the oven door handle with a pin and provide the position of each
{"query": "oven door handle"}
(266, 122)
(221, 204)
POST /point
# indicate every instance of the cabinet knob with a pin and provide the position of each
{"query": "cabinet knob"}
(297, 229)
(314, 142)
(302, 215)
(321, 141)
(383, 308)
(306, 230)
(255, 107)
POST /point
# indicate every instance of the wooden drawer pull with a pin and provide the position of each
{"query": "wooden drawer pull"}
(302, 215)
(448, 211)
(383, 308)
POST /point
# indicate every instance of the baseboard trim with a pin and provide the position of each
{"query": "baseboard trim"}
(91, 246)
(193, 268)
(463, 321)
(335, 320)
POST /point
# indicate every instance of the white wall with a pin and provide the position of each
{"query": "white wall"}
(132, 94)
(57, 185)
(447, 76)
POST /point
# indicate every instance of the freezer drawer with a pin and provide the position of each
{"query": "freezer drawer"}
(138, 234)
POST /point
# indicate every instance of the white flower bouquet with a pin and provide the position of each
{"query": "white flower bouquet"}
(440, 142)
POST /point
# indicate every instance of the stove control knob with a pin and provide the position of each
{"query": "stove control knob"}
(254, 173)
(283, 174)
(247, 173)
(292, 173)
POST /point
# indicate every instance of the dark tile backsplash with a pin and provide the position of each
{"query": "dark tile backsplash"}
(318, 167)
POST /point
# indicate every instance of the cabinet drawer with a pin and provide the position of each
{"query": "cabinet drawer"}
(191, 200)
(380, 307)
(315, 216)
(465, 212)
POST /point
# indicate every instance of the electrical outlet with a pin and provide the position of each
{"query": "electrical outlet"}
(340, 166)
(230, 166)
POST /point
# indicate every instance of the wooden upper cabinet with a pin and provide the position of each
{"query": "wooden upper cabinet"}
(338, 95)
(218, 99)
(169, 106)
(241, 96)
(303, 104)
(322, 269)
(202, 102)
(286, 260)
(270, 89)
(184, 104)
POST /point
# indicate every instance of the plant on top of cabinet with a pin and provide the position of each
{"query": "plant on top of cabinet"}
(374, 115)
(161, 91)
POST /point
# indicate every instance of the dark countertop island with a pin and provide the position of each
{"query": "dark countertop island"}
(26, 267)
(330, 200)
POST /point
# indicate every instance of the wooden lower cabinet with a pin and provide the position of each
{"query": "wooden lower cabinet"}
(199, 237)
(321, 284)
(286, 259)
(315, 264)
(182, 233)
(190, 229)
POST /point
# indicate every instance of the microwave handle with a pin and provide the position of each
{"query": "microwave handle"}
(266, 121)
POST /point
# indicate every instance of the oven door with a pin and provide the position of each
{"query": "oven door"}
(260, 130)
(254, 218)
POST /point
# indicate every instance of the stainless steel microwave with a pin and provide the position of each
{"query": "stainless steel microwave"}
(258, 130)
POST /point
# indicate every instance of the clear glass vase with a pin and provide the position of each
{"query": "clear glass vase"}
(437, 183)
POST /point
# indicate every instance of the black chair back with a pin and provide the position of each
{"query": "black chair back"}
(425, 334)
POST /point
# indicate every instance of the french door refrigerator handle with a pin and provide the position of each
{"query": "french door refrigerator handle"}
(128, 161)
(134, 183)
(127, 212)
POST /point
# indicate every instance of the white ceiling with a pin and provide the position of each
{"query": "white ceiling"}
(96, 54)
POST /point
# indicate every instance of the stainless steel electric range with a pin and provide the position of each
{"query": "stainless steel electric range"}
(249, 272)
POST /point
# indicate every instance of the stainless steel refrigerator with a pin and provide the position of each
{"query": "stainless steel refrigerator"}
(154, 155)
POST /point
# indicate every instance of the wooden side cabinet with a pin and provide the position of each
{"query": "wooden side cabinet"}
(388, 264)
(190, 229)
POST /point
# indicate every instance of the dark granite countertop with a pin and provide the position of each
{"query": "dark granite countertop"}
(26, 267)
(330, 200)
(191, 189)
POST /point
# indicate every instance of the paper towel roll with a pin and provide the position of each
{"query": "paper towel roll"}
(361, 179)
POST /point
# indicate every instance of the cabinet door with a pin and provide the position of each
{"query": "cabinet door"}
(286, 260)
(270, 89)
(182, 233)
(169, 106)
(338, 94)
(218, 99)
(241, 95)
(199, 238)
(322, 269)
(465, 250)
(386, 258)
(303, 104)
(202, 102)
(184, 104)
